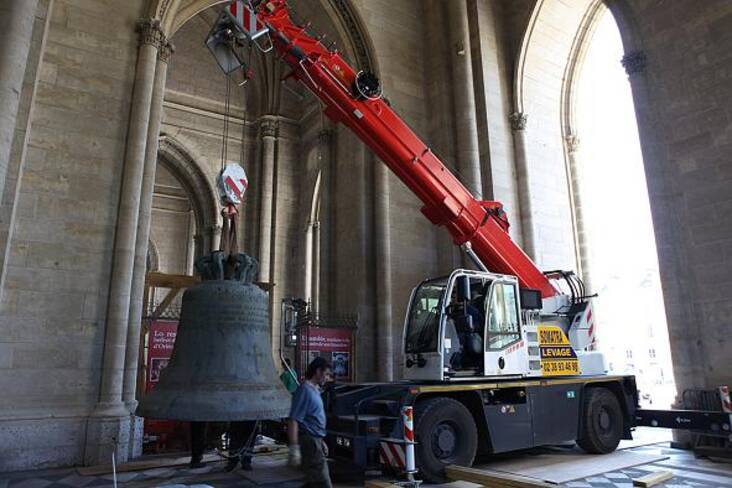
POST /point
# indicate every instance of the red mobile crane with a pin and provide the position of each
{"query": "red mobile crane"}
(353, 99)
(490, 356)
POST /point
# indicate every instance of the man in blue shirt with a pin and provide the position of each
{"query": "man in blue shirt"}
(306, 426)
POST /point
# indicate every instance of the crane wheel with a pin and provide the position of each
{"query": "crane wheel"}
(446, 434)
(602, 421)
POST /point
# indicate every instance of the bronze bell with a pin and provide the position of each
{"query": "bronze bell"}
(221, 368)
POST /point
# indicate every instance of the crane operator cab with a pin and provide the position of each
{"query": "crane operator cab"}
(475, 324)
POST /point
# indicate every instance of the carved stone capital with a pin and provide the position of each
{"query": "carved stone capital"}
(269, 126)
(151, 33)
(166, 51)
(634, 62)
(518, 120)
(572, 143)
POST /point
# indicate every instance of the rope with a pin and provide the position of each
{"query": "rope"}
(229, 213)
(245, 447)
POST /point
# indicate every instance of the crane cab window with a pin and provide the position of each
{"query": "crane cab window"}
(423, 326)
(503, 322)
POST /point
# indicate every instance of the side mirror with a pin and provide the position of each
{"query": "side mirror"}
(530, 299)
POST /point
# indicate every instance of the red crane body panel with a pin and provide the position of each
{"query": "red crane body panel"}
(446, 200)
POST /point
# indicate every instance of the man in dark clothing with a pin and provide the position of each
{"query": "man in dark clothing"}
(306, 426)
(198, 444)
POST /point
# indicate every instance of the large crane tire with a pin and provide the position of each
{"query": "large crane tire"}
(602, 421)
(445, 433)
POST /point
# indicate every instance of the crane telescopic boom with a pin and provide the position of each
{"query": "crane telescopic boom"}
(354, 99)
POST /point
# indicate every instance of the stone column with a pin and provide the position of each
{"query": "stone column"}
(467, 150)
(309, 268)
(686, 338)
(383, 282)
(583, 241)
(143, 237)
(323, 248)
(16, 30)
(214, 239)
(143, 227)
(199, 243)
(269, 128)
(523, 181)
(191, 248)
(107, 432)
(316, 267)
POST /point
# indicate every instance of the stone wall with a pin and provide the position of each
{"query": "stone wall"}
(57, 278)
(494, 75)
(542, 78)
(676, 59)
(172, 226)
(398, 44)
(682, 94)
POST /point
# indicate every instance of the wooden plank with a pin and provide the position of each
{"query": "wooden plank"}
(653, 479)
(160, 462)
(494, 478)
(379, 484)
(562, 466)
(165, 280)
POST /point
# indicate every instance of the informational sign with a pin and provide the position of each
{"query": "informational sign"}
(160, 340)
(159, 349)
(557, 356)
(333, 344)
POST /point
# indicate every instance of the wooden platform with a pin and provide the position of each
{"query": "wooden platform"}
(494, 478)
(562, 466)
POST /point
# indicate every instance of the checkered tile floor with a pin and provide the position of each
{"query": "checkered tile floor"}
(268, 471)
(688, 471)
(271, 471)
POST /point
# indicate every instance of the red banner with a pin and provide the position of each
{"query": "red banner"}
(335, 345)
(328, 340)
(160, 346)
(160, 340)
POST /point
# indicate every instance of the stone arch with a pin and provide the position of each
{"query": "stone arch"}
(631, 44)
(625, 22)
(345, 17)
(183, 165)
(550, 54)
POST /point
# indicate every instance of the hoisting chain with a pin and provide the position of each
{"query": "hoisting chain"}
(229, 242)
